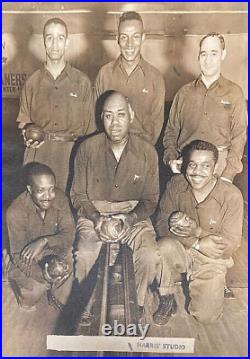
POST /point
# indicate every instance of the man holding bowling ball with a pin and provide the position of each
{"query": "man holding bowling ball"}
(57, 99)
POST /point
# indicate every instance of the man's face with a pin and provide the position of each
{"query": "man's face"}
(55, 41)
(210, 57)
(42, 191)
(130, 39)
(200, 169)
(117, 116)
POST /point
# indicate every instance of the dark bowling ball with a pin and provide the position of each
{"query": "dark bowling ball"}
(35, 133)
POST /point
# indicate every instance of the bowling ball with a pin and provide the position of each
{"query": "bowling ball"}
(112, 227)
(54, 268)
(181, 218)
(35, 133)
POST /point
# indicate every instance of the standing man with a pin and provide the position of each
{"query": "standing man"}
(58, 98)
(200, 226)
(116, 181)
(136, 79)
(210, 108)
(41, 233)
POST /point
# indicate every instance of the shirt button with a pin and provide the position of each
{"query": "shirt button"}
(56, 106)
(205, 94)
(56, 88)
(55, 123)
(205, 113)
(116, 185)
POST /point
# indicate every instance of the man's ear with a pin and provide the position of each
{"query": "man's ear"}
(67, 43)
(143, 37)
(117, 38)
(215, 167)
(131, 113)
(29, 188)
(224, 54)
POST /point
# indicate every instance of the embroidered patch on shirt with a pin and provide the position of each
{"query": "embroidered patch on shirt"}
(145, 90)
(227, 104)
(73, 94)
(136, 178)
(212, 221)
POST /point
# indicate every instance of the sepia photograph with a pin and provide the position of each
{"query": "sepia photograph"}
(124, 179)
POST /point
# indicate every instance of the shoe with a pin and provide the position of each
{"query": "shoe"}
(228, 293)
(85, 319)
(167, 307)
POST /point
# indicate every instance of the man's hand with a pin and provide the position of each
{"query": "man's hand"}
(212, 246)
(32, 251)
(176, 165)
(30, 143)
(191, 229)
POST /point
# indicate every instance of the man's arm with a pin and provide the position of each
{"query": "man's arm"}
(65, 234)
(168, 205)
(24, 116)
(148, 203)
(238, 139)
(89, 116)
(172, 132)
(17, 230)
(78, 194)
(231, 227)
(156, 117)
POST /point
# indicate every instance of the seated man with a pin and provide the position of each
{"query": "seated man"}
(41, 232)
(116, 177)
(200, 225)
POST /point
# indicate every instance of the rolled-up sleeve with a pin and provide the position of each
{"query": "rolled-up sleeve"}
(238, 138)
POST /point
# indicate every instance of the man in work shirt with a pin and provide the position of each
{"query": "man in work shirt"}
(116, 176)
(210, 108)
(59, 99)
(136, 79)
(41, 229)
(200, 226)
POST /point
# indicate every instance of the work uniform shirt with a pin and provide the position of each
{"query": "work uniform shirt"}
(144, 88)
(217, 115)
(63, 106)
(25, 223)
(221, 213)
(98, 176)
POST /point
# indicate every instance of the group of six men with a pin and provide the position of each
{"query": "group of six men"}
(199, 220)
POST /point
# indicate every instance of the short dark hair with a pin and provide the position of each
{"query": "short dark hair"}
(33, 169)
(215, 34)
(130, 15)
(198, 145)
(55, 20)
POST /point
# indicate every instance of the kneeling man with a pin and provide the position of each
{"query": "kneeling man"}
(200, 226)
(116, 176)
(41, 232)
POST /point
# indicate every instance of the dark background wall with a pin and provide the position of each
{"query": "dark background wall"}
(173, 34)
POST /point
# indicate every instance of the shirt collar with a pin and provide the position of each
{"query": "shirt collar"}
(141, 65)
(218, 82)
(67, 71)
(215, 193)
